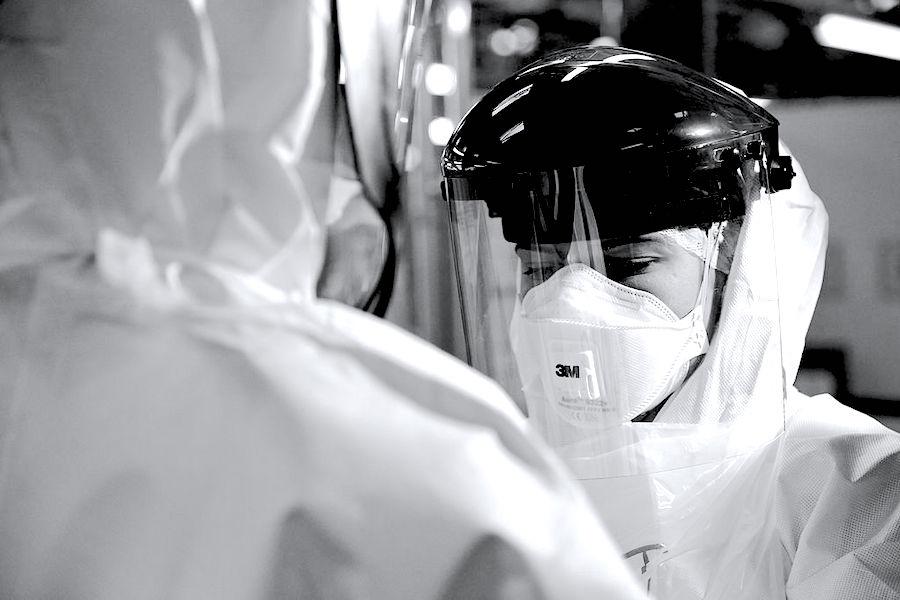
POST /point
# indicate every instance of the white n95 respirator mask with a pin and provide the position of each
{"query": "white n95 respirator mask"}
(601, 353)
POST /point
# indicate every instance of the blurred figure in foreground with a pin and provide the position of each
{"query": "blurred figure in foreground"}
(637, 266)
(180, 417)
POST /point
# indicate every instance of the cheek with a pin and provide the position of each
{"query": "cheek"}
(681, 297)
(686, 285)
(677, 284)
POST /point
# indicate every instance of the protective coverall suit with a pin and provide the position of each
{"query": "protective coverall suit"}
(720, 480)
(180, 417)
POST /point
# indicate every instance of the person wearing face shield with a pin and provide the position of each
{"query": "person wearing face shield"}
(638, 264)
(181, 416)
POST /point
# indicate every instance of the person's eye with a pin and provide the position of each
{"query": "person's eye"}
(622, 268)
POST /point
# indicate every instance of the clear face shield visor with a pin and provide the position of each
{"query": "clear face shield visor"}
(606, 299)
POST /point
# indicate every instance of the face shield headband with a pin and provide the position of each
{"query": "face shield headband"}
(549, 207)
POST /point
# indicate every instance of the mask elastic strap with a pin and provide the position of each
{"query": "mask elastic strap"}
(704, 296)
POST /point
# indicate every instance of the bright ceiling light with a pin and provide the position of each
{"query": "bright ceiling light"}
(858, 35)
(439, 131)
(440, 79)
(884, 5)
(458, 19)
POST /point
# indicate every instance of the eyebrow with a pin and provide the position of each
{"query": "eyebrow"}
(613, 244)
(630, 239)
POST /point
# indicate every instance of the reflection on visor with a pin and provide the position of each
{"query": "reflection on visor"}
(554, 207)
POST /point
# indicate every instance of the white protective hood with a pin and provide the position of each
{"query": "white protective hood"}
(691, 497)
(180, 417)
(759, 322)
(145, 127)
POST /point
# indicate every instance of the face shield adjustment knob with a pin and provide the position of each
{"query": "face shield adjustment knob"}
(781, 171)
(755, 150)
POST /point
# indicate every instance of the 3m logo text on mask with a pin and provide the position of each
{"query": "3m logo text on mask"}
(568, 371)
(573, 369)
(572, 383)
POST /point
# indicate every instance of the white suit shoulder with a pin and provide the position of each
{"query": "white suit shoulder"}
(342, 453)
(839, 502)
(424, 362)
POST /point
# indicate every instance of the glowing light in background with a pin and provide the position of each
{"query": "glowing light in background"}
(762, 30)
(458, 19)
(885, 5)
(858, 35)
(604, 40)
(526, 32)
(440, 79)
(503, 42)
(521, 38)
(439, 130)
